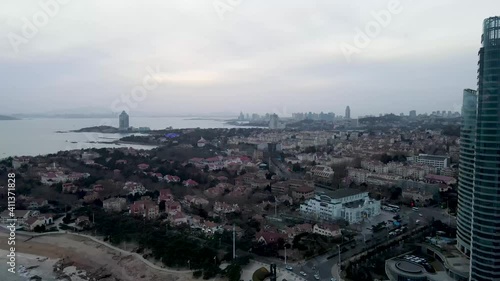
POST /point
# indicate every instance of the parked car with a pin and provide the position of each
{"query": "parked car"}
(289, 267)
(303, 273)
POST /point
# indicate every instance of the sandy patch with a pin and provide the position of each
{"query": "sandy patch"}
(78, 254)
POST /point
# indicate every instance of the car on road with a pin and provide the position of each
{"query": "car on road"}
(289, 267)
(420, 214)
(303, 273)
(333, 279)
(415, 208)
(316, 276)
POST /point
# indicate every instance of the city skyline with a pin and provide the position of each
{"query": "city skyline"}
(288, 64)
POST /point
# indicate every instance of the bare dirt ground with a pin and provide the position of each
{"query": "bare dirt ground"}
(98, 260)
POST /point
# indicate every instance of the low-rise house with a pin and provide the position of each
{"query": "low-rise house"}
(303, 192)
(178, 218)
(32, 222)
(145, 208)
(37, 203)
(19, 215)
(190, 183)
(224, 208)
(134, 188)
(210, 227)
(115, 204)
(329, 230)
(69, 188)
(82, 221)
(165, 195)
(322, 173)
(143, 166)
(91, 197)
(98, 187)
(171, 179)
(194, 200)
(173, 208)
(269, 237)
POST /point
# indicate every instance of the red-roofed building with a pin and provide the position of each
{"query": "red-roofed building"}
(173, 208)
(143, 166)
(178, 218)
(169, 178)
(145, 208)
(190, 183)
(269, 237)
(165, 195)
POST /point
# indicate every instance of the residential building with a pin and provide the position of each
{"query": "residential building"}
(322, 173)
(123, 121)
(304, 192)
(482, 242)
(19, 215)
(349, 204)
(145, 208)
(114, 204)
(329, 230)
(438, 161)
(165, 195)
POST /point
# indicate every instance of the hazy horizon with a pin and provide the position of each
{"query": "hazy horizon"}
(203, 57)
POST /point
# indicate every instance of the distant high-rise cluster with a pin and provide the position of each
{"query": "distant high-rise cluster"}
(413, 114)
(478, 233)
(123, 121)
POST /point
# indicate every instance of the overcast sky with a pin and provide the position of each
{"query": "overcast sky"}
(204, 56)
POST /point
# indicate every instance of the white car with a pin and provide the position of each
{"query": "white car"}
(303, 273)
(420, 214)
(333, 279)
(316, 277)
(289, 267)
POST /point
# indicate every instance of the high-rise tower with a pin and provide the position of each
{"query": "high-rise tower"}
(466, 174)
(348, 112)
(123, 123)
(479, 203)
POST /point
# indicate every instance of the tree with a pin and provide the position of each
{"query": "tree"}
(233, 272)
(296, 167)
(67, 219)
(162, 206)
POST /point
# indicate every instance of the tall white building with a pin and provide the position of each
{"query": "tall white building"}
(347, 112)
(274, 122)
(349, 204)
(123, 123)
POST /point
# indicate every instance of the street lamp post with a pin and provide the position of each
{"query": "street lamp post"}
(285, 255)
(340, 258)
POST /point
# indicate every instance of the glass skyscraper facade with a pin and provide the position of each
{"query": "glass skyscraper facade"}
(479, 203)
(466, 169)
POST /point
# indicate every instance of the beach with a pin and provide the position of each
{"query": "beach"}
(78, 258)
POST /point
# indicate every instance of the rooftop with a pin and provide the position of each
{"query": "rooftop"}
(344, 192)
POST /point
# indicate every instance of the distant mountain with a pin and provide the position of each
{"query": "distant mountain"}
(4, 117)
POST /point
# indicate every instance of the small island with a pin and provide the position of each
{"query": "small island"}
(98, 129)
(5, 118)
